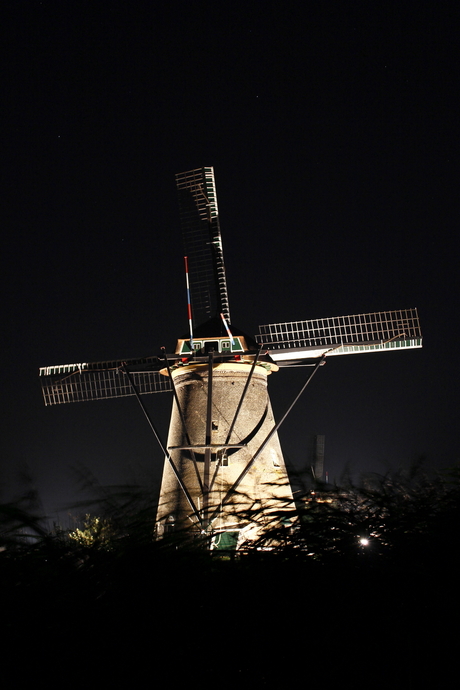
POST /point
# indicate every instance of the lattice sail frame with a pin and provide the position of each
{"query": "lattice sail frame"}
(81, 382)
(199, 216)
(340, 335)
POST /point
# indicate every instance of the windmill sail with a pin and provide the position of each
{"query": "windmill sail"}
(203, 244)
(293, 342)
(101, 380)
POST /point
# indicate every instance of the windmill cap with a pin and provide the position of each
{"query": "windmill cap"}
(214, 328)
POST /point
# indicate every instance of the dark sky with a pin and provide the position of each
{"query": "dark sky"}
(333, 133)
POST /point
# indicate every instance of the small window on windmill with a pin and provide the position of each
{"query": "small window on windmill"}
(169, 524)
(225, 345)
(197, 344)
(222, 457)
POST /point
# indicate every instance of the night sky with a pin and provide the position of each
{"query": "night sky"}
(333, 133)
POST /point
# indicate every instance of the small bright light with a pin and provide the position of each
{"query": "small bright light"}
(363, 541)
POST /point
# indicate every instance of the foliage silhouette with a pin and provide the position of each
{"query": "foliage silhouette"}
(263, 616)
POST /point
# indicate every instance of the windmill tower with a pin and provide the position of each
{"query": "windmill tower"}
(221, 413)
(223, 461)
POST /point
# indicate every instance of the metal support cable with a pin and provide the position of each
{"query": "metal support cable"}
(235, 417)
(237, 482)
(182, 418)
(164, 450)
(207, 452)
(243, 395)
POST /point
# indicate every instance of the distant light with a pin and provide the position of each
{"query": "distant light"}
(363, 541)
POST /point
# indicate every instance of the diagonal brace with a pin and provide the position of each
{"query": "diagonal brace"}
(164, 450)
(182, 419)
(238, 481)
(237, 411)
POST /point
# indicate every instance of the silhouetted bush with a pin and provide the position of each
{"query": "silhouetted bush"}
(113, 608)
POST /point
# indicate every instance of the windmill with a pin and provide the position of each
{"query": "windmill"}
(223, 459)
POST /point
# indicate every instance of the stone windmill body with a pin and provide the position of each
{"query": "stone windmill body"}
(223, 460)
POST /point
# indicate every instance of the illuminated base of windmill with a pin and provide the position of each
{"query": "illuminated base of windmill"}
(263, 496)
